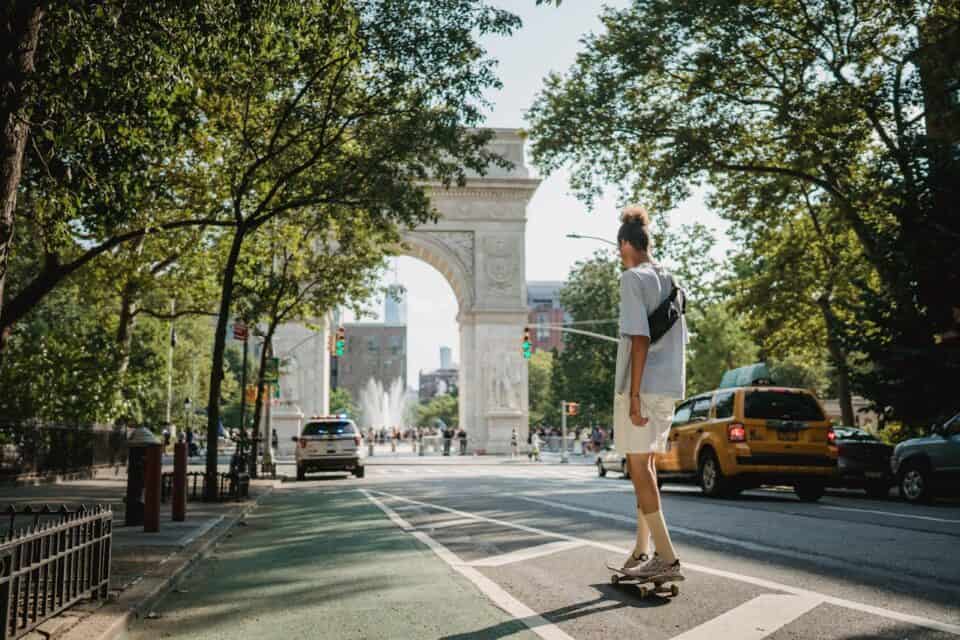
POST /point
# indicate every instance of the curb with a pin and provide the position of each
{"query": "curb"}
(112, 621)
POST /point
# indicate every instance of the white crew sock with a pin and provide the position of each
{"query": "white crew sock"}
(643, 536)
(661, 537)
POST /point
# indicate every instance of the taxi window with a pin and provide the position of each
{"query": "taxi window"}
(682, 416)
(781, 405)
(701, 408)
(342, 428)
(724, 404)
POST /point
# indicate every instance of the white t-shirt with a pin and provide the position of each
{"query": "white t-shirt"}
(642, 290)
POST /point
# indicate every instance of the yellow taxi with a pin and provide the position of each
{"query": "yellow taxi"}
(731, 439)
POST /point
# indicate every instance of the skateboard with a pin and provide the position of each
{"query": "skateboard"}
(647, 586)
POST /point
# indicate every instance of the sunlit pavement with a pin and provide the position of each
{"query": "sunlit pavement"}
(492, 551)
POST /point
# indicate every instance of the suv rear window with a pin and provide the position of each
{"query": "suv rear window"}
(329, 429)
(780, 405)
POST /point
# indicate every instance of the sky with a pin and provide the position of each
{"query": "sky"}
(548, 41)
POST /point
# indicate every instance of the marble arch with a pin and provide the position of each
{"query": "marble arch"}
(478, 244)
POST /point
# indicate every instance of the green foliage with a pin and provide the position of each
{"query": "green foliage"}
(539, 378)
(442, 407)
(718, 341)
(341, 402)
(781, 106)
(793, 372)
(587, 365)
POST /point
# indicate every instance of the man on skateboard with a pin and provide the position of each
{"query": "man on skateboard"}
(650, 378)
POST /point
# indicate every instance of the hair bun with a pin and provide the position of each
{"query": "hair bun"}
(635, 213)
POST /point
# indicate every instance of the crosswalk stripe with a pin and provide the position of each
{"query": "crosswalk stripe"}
(753, 620)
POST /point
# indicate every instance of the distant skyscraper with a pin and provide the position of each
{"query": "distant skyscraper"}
(395, 305)
(446, 358)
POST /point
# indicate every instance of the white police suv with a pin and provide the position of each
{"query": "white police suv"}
(329, 443)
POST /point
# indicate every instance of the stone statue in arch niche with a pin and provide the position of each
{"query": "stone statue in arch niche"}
(504, 380)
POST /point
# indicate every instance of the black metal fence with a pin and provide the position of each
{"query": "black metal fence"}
(49, 449)
(232, 486)
(61, 558)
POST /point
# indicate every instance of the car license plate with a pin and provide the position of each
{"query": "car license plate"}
(788, 436)
(874, 474)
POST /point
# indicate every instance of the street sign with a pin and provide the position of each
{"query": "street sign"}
(240, 331)
(272, 371)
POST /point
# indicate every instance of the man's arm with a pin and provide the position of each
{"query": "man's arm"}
(639, 346)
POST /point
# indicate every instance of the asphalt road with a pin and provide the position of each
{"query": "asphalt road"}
(526, 547)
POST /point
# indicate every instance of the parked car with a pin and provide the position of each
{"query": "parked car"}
(731, 439)
(928, 466)
(329, 443)
(863, 462)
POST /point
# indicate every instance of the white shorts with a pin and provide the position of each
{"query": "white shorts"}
(650, 438)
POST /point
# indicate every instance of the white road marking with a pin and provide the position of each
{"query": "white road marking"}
(443, 524)
(892, 514)
(529, 553)
(537, 623)
(753, 620)
(920, 621)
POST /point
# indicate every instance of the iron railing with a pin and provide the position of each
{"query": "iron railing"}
(231, 486)
(61, 558)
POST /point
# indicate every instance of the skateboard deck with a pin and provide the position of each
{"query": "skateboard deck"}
(652, 585)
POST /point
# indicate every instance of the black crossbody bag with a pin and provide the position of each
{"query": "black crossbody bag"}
(667, 313)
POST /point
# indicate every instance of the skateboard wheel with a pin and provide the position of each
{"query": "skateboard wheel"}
(614, 579)
(644, 592)
(674, 590)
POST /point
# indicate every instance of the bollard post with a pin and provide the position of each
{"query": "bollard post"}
(179, 498)
(137, 445)
(151, 490)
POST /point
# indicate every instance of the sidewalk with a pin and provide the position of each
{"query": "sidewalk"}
(311, 562)
(144, 565)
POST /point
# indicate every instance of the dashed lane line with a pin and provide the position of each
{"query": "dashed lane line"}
(892, 514)
(754, 619)
(521, 612)
(919, 621)
(529, 553)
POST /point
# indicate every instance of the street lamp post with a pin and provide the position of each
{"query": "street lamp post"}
(577, 236)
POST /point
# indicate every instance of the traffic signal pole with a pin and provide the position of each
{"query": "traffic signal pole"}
(563, 432)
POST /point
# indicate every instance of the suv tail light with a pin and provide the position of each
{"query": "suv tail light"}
(357, 440)
(302, 443)
(736, 433)
(832, 436)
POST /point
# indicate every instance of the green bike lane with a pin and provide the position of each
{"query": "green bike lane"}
(318, 564)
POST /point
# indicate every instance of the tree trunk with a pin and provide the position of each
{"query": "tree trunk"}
(216, 370)
(839, 357)
(124, 337)
(258, 406)
(19, 35)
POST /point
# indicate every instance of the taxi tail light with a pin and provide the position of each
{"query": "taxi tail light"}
(357, 440)
(832, 437)
(302, 443)
(736, 433)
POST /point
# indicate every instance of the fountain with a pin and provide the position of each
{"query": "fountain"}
(383, 407)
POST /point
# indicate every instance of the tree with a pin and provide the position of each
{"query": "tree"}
(770, 103)
(720, 342)
(106, 153)
(341, 402)
(443, 407)
(591, 293)
(540, 375)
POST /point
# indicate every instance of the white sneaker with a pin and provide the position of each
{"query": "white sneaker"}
(657, 568)
(633, 561)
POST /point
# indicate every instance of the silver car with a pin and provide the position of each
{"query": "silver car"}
(930, 465)
(329, 443)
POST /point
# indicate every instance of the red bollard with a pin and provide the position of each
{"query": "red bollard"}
(179, 498)
(151, 488)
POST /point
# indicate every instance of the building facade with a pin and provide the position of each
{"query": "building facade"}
(376, 351)
(543, 303)
(437, 382)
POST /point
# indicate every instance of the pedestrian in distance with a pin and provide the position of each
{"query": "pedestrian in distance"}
(462, 437)
(649, 380)
(513, 443)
